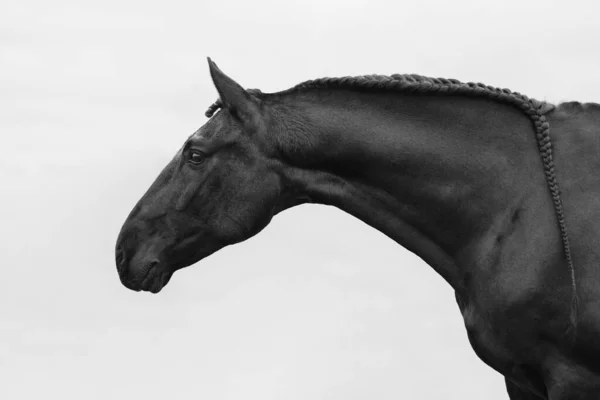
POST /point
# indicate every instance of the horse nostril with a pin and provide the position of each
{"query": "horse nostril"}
(152, 264)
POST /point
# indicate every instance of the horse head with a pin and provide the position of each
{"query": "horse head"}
(221, 188)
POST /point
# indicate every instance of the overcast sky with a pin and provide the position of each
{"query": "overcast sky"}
(96, 97)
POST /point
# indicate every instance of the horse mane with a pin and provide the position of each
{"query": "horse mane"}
(413, 83)
(575, 107)
(405, 83)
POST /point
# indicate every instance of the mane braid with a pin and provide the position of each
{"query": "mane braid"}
(535, 109)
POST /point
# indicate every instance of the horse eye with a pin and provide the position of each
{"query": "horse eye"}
(196, 157)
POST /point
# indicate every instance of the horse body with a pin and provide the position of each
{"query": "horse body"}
(461, 185)
(456, 179)
(576, 129)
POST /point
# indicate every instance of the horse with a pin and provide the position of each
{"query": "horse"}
(477, 181)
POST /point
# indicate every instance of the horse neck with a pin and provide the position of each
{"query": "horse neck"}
(440, 175)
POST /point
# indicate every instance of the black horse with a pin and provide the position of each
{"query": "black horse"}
(450, 171)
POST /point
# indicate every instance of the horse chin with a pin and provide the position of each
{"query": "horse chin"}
(157, 278)
(156, 281)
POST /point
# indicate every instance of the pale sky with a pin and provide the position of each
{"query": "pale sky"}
(96, 97)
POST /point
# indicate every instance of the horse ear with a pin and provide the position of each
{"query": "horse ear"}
(234, 97)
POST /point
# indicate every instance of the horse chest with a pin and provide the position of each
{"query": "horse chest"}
(487, 343)
(496, 345)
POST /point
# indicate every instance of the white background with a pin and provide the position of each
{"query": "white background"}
(96, 97)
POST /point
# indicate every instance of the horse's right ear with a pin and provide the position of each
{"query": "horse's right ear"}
(234, 97)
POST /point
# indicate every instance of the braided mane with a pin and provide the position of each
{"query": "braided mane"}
(536, 110)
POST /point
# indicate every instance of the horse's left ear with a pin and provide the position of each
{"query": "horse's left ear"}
(234, 97)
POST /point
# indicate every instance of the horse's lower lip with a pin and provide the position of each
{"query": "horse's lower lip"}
(155, 280)
(152, 281)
